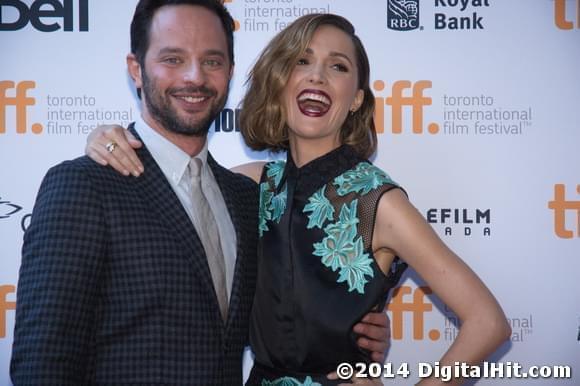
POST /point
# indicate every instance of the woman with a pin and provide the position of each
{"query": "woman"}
(335, 231)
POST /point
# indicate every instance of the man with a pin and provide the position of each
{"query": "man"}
(115, 285)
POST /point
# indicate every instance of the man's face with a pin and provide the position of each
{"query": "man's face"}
(186, 71)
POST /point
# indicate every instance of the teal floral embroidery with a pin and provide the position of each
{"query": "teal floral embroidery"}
(276, 171)
(341, 250)
(354, 270)
(362, 179)
(278, 204)
(320, 207)
(336, 248)
(288, 381)
(264, 213)
(272, 205)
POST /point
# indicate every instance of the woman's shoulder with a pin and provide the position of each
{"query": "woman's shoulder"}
(252, 170)
(363, 178)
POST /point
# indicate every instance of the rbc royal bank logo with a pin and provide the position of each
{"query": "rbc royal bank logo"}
(403, 15)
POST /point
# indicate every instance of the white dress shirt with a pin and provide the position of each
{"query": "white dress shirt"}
(174, 162)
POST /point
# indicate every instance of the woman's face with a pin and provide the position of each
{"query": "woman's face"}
(322, 88)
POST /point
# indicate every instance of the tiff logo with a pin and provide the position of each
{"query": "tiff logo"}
(560, 206)
(5, 305)
(417, 306)
(41, 13)
(20, 101)
(416, 101)
(560, 15)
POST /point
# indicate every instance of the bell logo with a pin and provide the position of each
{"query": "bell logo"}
(5, 305)
(397, 101)
(20, 101)
(559, 205)
(560, 15)
(398, 306)
(44, 9)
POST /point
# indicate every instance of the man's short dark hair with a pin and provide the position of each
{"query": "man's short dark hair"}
(143, 16)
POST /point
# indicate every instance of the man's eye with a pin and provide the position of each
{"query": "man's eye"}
(172, 60)
(213, 62)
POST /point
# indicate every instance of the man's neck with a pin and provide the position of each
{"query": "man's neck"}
(192, 145)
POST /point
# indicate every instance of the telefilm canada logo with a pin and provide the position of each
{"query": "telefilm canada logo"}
(403, 15)
(461, 221)
(10, 210)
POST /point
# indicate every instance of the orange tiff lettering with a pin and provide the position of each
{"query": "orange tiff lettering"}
(5, 305)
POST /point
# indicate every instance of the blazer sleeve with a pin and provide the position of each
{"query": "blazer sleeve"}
(56, 304)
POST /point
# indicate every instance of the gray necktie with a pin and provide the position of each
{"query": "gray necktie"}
(209, 236)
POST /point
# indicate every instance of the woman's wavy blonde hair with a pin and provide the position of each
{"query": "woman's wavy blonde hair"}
(263, 118)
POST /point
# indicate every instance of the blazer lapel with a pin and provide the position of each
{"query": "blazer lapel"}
(225, 183)
(162, 200)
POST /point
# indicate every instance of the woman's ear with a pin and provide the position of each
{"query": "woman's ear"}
(358, 100)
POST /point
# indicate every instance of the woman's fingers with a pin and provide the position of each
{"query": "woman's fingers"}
(112, 145)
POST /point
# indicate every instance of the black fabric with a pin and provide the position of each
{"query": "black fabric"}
(302, 318)
(262, 373)
(114, 285)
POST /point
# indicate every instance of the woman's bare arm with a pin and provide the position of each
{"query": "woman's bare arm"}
(402, 229)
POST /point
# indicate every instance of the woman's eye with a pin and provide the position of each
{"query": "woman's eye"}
(340, 67)
(302, 62)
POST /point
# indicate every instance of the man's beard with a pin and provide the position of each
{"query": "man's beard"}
(161, 110)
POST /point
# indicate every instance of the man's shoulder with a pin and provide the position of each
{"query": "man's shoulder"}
(82, 171)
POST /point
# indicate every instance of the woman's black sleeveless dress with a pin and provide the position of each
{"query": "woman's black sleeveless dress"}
(317, 276)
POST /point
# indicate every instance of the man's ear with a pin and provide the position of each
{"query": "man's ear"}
(134, 69)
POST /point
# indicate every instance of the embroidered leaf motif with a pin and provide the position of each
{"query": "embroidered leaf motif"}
(271, 206)
(362, 179)
(342, 250)
(276, 171)
(320, 207)
(264, 213)
(278, 204)
(288, 381)
(336, 247)
(356, 268)
(348, 216)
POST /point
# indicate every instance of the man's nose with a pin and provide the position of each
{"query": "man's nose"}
(194, 74)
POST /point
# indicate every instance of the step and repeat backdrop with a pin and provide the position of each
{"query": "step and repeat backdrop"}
(478, 114)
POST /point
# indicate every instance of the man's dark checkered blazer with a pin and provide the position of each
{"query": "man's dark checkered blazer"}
(115, 288)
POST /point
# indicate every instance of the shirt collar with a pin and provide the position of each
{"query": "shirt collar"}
(171, 159)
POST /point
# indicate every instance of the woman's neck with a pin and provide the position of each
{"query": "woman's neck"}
(305, 150)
